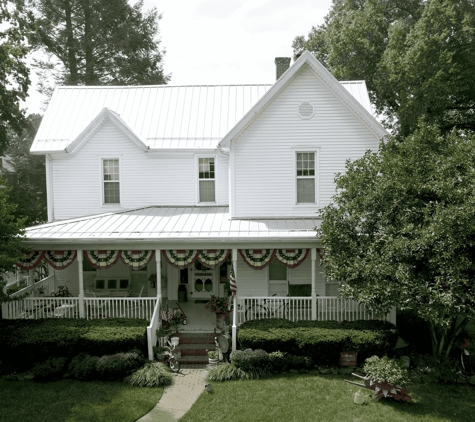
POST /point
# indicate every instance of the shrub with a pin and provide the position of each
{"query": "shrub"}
(250, 360)
(153, 374)
(386, 370)
(83, 367)
(230, 372)
(429, 369)
(50, 370)
(119, 365)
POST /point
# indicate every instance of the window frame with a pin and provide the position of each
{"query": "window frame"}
(315, 177)
(283, 282)
(198, 180)
(103, 182)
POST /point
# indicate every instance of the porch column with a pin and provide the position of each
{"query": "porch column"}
(158, 260)
(234, 327)
(314, 285)
(31, 278)
(82, 313)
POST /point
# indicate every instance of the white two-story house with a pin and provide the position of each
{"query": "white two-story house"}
(161, 190)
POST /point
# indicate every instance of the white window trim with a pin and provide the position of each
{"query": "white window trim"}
(315, 151)
(197, 178)
(101, 167)
(269, 281)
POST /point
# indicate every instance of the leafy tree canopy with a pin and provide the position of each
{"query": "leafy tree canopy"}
(14, 75)
(26, 174)
(96, 42)
(416, 57)
(401, 230)
(11, 235)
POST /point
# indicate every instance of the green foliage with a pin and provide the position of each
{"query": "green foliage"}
(118, 365)
(95, 42)
(249, 360)
(400, 230)
(14, 74)
(50, 370)
(25, 342)
(230, 372)
(386, 370)
(430, 369)
(83, 367)
(414, 55)
(323, 341)
(153, 374)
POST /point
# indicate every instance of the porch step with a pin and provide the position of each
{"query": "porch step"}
(194, 347)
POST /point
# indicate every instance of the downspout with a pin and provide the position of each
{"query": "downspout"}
(234, 327)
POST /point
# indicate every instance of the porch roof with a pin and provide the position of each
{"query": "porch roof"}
(160, 227)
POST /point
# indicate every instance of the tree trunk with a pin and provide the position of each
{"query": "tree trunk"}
(72, 60)
(443, 340)
(88, 45)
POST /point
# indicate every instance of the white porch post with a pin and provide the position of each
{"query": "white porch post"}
(234, 327)
(314, 285)
(82, 313)
(158, 260)
(31, 278)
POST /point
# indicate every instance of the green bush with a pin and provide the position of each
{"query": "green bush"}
(153, 374)
(51, 369)
(119, 365)
(323, 341)
(25, 342)
(250, 360)
(83, 367)
(230, 372)
(386, 370)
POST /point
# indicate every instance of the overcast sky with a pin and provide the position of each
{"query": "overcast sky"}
(226, 41)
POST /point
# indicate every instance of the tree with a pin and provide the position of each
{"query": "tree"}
(27, 174)
(401, 230)
(11, 236)
(96, 42)
(416, 57)
(14, 75)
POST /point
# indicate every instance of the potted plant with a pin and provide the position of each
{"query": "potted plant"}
(213, 357)
(219, 306)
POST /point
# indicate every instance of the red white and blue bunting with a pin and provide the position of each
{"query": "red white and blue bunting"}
(212, 258)
(181, 258)
(102, 259)
(60, 260)
(136, 259)
(291, 258)
(31, 260)
(257, 258)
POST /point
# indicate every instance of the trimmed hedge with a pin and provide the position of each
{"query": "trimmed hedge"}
(322, 341)
(26, 342)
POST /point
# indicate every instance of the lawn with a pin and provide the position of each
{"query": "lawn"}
(72, 401)
(327, 398)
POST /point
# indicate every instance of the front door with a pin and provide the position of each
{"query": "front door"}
(202, 280)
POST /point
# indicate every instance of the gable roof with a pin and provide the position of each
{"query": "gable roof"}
(355, 97)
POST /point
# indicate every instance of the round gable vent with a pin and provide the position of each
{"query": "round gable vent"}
(305, 110)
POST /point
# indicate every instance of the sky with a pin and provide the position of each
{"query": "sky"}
(225, 41)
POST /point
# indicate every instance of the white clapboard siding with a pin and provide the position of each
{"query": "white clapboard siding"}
(264, 154)
(251, 282)
(147, 178)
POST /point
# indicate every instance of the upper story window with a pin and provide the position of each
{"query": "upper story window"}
(306, 178)
(111, 181)
(206, 180)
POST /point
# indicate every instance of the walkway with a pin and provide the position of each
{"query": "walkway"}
(178, 398)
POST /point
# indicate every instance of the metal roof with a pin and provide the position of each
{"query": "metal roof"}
(173, 227)
(163, 116)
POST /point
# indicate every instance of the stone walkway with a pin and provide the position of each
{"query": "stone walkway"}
(178, 398)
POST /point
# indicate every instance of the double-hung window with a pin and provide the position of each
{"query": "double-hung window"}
(111, 181)
(306, 183)
(206, 180)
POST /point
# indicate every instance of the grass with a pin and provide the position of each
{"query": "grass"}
(73, 401)
(327, 398)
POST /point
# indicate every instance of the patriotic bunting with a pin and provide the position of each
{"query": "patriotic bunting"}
(31, 260)
(60, 260)
(102, 259)
(181, 258)
(136, 259)
(257, 258)
(213, 257)
(291, 258)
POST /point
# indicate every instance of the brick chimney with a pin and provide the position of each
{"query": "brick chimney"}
(281, 65)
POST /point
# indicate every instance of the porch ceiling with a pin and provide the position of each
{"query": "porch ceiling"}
(173, 227)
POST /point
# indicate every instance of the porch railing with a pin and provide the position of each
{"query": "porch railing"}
(122, 307)
(152, 329)
(300, 308)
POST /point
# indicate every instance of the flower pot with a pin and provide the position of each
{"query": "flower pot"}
(175, 341)
(213, 361)
(220, 321)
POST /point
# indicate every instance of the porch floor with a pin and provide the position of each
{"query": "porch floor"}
(199, 318)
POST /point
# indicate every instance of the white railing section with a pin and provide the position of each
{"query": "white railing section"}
(152, 329)
(292, 308)
(300, 308)
(119, 307)
(39, 307)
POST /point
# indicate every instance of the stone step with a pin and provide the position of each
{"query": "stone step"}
(195, 349)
